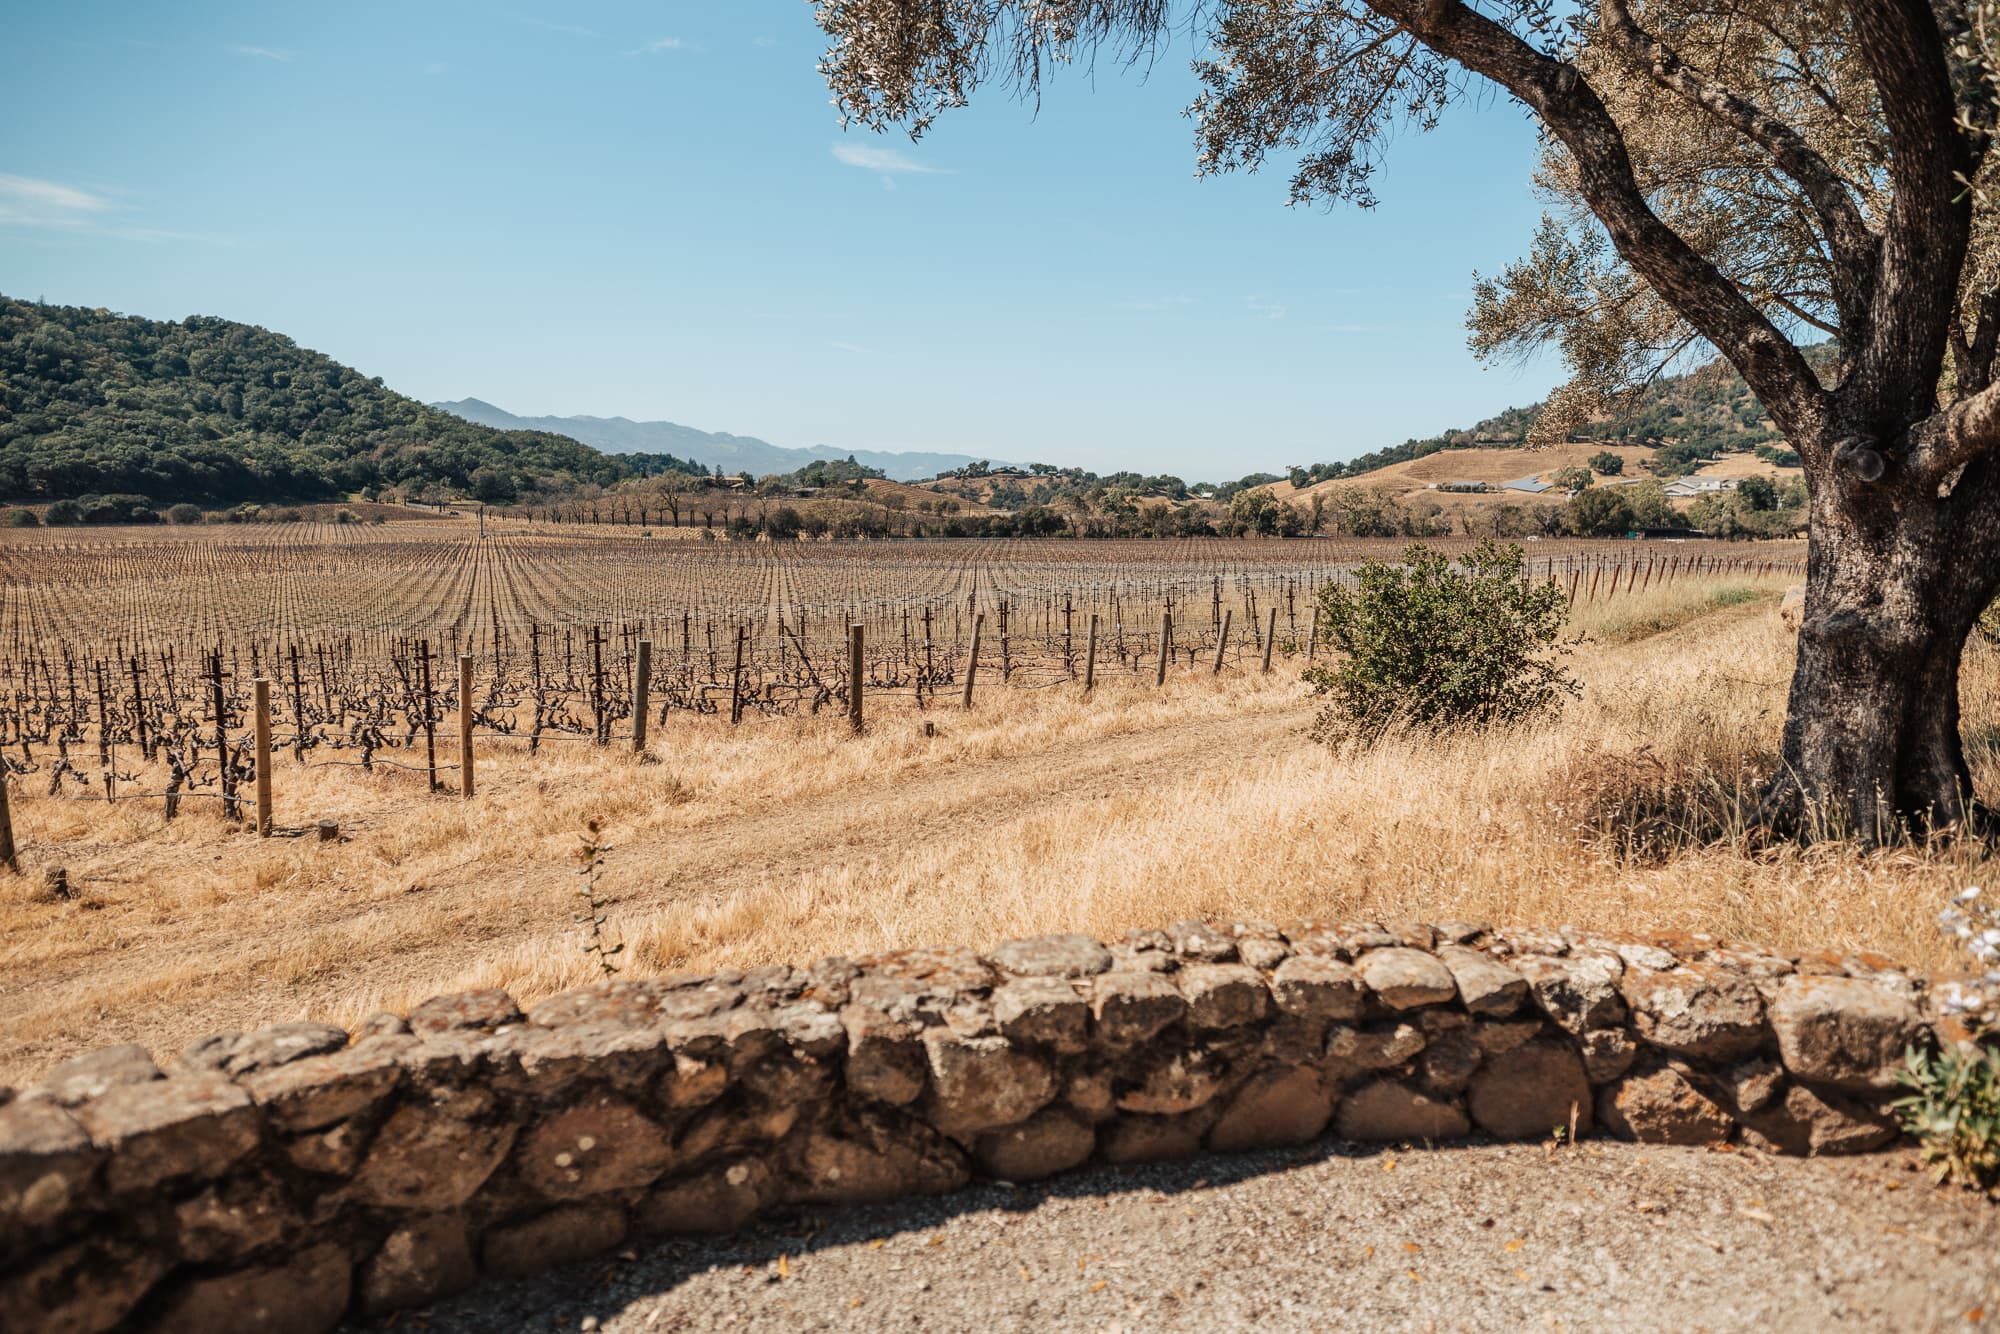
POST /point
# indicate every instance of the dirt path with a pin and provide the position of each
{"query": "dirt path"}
(1598, 1237)
(224, 979)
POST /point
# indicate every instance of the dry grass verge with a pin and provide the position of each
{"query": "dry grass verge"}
(1038, 811)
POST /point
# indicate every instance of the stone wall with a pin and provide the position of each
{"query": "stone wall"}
(283, 1178)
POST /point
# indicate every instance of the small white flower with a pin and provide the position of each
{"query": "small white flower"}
(1967, 896)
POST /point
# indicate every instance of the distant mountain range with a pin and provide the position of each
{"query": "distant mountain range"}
(715, 449)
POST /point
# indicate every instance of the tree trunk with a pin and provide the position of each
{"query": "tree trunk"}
(1894, 584)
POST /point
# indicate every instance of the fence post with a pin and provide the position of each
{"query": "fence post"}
(1222, 640)
(465, 726)
(1312, 635)
(7, 855)
(854, 671)
(642, 695)
(972, 661)
(1090, 657)
(262, 688)
(1166, 646)
(1270, 636)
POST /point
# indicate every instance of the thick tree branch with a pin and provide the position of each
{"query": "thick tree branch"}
(1854, 247)
(1963, 432)
(1930, 219)
(1564, 100)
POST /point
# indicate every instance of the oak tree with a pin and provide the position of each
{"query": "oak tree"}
(1747, 177)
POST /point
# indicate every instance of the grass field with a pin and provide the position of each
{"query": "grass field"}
(1040, 810)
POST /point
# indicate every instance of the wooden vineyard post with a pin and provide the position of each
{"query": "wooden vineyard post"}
(736, 682)
(262, 688)
(1090, 657)
(642, 695)
(1312, 635)
(1270, 635)
(430, 723)
(855, 667)
(1222, 640)
(1166, 647)
(8, 857)
(972, 661)
(465, 726)
(221, 732)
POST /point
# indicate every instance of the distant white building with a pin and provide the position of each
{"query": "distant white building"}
(1534, 486)
(1687, 488)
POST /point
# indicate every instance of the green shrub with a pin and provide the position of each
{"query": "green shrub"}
(1597, 513)
(64, 514)
(185, 513)
(1604, 461)
(1953, 1111)
(23, 518)
(1438, 646)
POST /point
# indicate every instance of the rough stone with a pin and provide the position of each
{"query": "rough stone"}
(720, 1200)
(1051, 956)
(425, 1259)
(1224, 995)
(78, 1080)
(979, 1083)
(626, 1055)
(224, 1224)
(1530, 1091)
(1199, 940)
(431, 1157)
(1129, 1008)
(1494, 1038)
(1138, 1138)
(1047, 1143)
(1844, 1031)
(318, 1091)
(488, 1008)
(1448, 1063)
(1277, 1107)
(1377, 1048)
(1753, 1083)
(1488, 987)
(1387, 1110)
(302, 1296)
(1406, 978)
(46, 1165)
(1176, 1082)
(265, 1049)
(1319, 987)
(190, 1126)
(559, 1237)
(1043, 1010)
(1698, 1010)
(604, 1145)
(872, 1166)
(1262, 952)
(1607, 1054)
(1659, 1104)
(885, 1057)
(1820, 1122)
(78, 1289)
(1579, 992)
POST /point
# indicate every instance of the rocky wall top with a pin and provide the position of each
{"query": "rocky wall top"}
(283, 1178)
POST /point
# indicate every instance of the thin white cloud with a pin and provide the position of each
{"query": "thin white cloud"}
(765, 42)
(886, 161)
(27, 201)
(657, 46)
(261, 52)
(1269, 310)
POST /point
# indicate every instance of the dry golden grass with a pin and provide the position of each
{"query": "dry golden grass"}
(1039, 811)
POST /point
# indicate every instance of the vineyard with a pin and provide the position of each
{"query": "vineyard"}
(130, 664)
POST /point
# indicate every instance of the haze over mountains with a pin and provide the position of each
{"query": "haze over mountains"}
(716, 449)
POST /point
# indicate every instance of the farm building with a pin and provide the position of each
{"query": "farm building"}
(1534, 486)
(1687, 488)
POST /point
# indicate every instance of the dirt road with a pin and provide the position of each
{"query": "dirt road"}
(1602, 1237)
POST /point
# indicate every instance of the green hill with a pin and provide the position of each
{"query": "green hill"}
(209, 410)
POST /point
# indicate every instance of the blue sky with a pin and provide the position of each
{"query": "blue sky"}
(650, 210)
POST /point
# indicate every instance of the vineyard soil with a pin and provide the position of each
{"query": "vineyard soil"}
(1038, 810)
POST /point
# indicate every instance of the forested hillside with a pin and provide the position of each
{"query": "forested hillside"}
(209, 410)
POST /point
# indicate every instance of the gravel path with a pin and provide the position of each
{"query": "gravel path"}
(1600, 1237)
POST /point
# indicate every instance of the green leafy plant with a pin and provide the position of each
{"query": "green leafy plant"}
(1953, 1111)
(1440, 646)
(590, 854)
